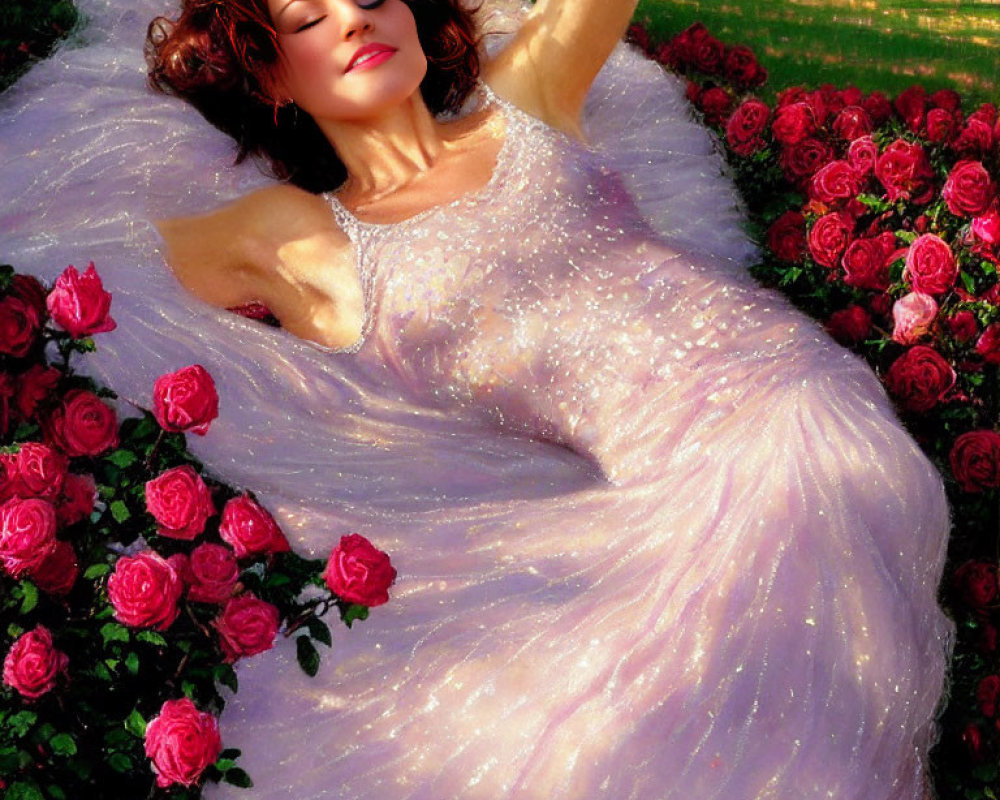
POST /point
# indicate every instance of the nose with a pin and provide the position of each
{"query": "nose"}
(355, 20)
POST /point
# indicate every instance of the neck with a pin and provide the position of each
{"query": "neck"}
(386, 152)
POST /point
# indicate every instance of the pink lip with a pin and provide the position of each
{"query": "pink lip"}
(374, 54)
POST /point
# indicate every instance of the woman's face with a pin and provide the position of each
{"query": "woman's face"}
(346, 59)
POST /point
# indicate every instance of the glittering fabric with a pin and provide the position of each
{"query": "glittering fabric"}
(657, 536)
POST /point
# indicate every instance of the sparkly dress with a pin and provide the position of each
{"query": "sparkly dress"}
(657, 536)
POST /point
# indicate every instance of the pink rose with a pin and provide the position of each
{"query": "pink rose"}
(866, 262)
(786, 237)
(246, 626)
(919, 378)
(41, 471)
(36, 385)
(19, 326)
(250, 529)
(835, 183)
(852, 123)
(976, 581)
(849, 325)
(829, 237)
(913, 315)
(33, 665)
(27, 534)
(77, 499)
(144, 591)
(975, 460)
(58, 572)
(986, 228)
(988, 344)
(930, 265)
(963, 325)
(358, 572)
(180, 502)
(182, 742)
(185, 400)
(79, 304)
(213, 573)
(905, 172)
(793, 123)
(862, 155)
(745, 128)
(84, 425)
(969, 190)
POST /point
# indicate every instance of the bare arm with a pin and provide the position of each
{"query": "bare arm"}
(553, 59)
(278, 246)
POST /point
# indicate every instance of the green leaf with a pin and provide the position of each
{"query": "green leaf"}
(97, 571)
(968, 282)
(307, 655)
(231, 753)
(122, 458)
(63, 744)
(29, 596)
(135, 724)
(226, 675)
(55, 792)
(120, 511)
(151, 637)
(114, 632)
(278, 579)
(238, 777)
(21, 722)
(132, 663)
(353, 612)
(119, 762)
(24, 791)
(319, 631)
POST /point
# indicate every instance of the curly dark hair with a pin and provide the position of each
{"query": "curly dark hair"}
(219, 55)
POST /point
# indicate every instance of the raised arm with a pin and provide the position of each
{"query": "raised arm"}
(550, 63)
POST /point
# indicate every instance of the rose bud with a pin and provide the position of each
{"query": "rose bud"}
(180, 502)
(58, 572)
(185, 400)
(35, 385)
(27, 534)
(358, 572)
(213, 573)
(182, 742)
(33, 665)
(77, 499)
(41, 470)
(19, 326)
(969, 190)
(84, 425)
(975, 460)
(920, 378)
(144, 591)
(247, 625)
(849, 325)
(988, 344)
(913, 316)
(930, 265)
(250, 529)
(986, 228)
(79, 304)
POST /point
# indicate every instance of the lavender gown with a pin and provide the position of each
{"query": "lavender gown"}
(657, 536)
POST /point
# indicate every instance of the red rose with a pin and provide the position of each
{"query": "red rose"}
(27, 533)
(975, 140)
(250, 529)
(8, 390)
(793, 94)
(866, 262)
(693, 93)
(246, 626)
(79, 304)
(930, 265)
(941, 125)
(905, 172)
(742, 69)
(31, 291)
(969, 190)
(706, 53)
(793, 123)
(639, 36)
(19, 326)
(8, 476)
(180, 502)
(84, 425)
(973, 739)
(745, 128)
(988, 345)
(977, 583)
(786, 237)
(975, 460)
(947, 99)
(715, 104)
(212, 573)
(33, 665)
(58, 572)
(878, 107)
(41, 471)
(77, 500)
(802, 160)
(35, 385)
(919, 378)
(986, 227)
(835, 183)
(911, 105)
(862, 155)
(851, 96)
(849, 325)
(144, 591)
(913, 315)
(182, 742)
(185, 400)
(852, 123)
(829, 237)
(358, 572)
(963, 325)
(987, 113)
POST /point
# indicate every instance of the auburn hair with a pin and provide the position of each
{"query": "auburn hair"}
(220, 56)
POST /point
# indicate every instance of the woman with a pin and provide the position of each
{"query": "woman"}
(657, 536)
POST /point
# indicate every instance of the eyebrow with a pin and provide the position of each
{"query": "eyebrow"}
(285, 8)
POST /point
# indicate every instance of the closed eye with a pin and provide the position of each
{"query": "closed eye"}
(310, 24)
(369, 6)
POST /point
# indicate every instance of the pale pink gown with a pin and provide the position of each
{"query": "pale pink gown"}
(657, 536)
